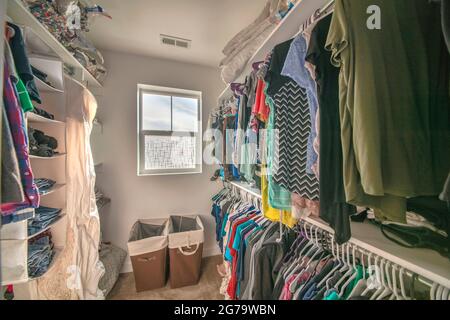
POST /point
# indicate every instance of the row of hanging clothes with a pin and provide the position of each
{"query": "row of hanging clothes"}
(249, 243)
(329, 124)
(265, 261)
(317, 268)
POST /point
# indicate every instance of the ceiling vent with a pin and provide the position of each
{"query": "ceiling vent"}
(175, 42)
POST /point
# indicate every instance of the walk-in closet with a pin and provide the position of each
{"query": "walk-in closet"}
(225, 151)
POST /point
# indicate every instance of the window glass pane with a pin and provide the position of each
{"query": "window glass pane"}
(156, 112)
(185, 114)
(169, 152)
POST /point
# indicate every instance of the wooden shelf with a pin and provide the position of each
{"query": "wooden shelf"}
(58, 219)
(35, 118)
(55, 188)
(56, 156)
(40, 40)
(424, 262)
(285, 30)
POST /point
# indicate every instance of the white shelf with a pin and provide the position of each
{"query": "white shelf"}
(51, 66)
(57, 220)
(55, 188)
(424, 262)
(56, 156)
(247, 188)
(35, 118)
(42, 86)
(285, 30)
(40, 40)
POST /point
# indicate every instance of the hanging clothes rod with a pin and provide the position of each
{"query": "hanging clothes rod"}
(319, 13)
(368, 253)
(247, 188)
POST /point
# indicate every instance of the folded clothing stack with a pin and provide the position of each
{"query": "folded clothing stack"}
(44, 185)
(40, 255)
(43, 217)
(41, 145)
(43, 113)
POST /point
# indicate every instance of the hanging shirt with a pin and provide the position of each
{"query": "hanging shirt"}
(16, 120)
(22, 63)
(295, 68)
(293, 126)
(333, 206)
(12, 190)
(270, 212)
(394, 104)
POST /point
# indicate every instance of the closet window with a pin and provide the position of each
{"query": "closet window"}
(169, 131)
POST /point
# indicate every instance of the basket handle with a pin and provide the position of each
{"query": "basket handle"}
(189, 253)
(147, 259)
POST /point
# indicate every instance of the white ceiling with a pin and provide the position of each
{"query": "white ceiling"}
(137, 24)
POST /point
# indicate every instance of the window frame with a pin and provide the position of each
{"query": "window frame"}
(172, 92)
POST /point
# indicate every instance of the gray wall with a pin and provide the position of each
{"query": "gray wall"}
(136, 197)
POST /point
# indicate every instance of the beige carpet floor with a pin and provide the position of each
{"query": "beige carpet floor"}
(206, 289)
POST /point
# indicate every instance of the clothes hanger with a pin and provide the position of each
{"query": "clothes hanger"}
(363, 280)
(353, 273)
(332, 271)
(305, 251)
(387, 283)
(438, 294)
(293, 285)
(280, 238)
(445, 293)
(381, 288)
(374, 277)
(394, 284)
(301, 260)
(346, 270)
(402, 284)
(433, 291)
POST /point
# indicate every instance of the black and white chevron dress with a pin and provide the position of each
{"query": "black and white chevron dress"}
(293, 122)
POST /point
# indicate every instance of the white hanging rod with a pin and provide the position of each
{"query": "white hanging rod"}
(371, 254)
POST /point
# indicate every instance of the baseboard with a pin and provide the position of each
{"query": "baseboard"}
(207, 252)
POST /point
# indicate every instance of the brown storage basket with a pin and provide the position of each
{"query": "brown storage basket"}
(186, 238)
(147, 247)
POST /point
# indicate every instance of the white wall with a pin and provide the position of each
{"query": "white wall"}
(136, 197)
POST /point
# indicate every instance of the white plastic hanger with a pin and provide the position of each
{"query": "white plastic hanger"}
(294, 283)
(394, 282)
(445, 293)
(361, 282)
(381, 277)
(333, 271)
(433, 291)
(280, 238)
(353, 276)
(299, 261)
(347, 268)
(387, 282)
(439, 291)
(402, 284)
(369, 267)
